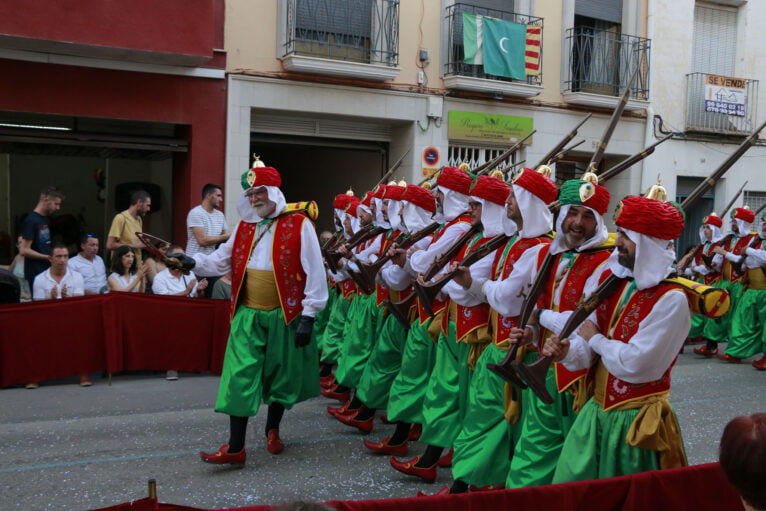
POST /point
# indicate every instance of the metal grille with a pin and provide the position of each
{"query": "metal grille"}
(602, 61)
(699, 119)
(754, 200)
(474, 156)
(454, 65)
(365, 31)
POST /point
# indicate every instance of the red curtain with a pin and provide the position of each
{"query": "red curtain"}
(52, 339)
(696, 488)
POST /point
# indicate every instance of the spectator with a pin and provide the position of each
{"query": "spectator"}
(127, 223)
(58, 281)
(125, 277)
(206, 227)
(174, 283)
(90, 265)
(743, 459)
(324, 237)
(222, 288)
(17, 268)
(36, 234)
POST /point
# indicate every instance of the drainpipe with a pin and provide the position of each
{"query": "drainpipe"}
(646, 179)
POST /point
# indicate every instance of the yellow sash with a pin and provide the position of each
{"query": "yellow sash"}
(756, 279)
(654, 428)
(260, 290)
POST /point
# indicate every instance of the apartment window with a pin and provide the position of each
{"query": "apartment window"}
(364, 31)
(714, 43)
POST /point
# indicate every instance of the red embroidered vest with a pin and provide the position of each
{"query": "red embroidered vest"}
(502, 267)
(626, 320)
(381, 290)
(439, 305)
(707, 249)
(585, 264)
(467, 319)
(285, 260)
(728, 272)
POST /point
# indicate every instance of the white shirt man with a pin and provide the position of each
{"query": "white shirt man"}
(205, 224)
(57, 281)
(90, 265)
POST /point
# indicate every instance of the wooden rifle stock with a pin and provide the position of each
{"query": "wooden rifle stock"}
(404, 241)
(401, 309)
(427, 293)
(534, 374)
(505, 368)
(332, 257)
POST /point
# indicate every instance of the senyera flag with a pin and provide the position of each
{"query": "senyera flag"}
(503, 48)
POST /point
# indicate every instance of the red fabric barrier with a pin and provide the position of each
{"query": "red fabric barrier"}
(696, 488)
(53, 339)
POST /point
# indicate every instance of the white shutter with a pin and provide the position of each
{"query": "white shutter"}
(714, 43)
(315, 127)
(605, 10)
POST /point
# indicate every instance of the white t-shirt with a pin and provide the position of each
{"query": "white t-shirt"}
(93, 272)
(126, 282)
(44, 283)
(166, 284)
(214, 224)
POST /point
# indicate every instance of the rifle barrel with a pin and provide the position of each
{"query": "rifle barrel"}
(632, 160)
(558, 147)
(733, 199)
(500, 159)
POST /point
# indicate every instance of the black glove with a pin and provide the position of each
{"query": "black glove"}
(303, 333)
(180, 262)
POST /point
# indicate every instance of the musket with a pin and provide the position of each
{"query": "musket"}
(332, 257)
(336, 236)
(401, 308)
(486, 167)
(391, 170)
(534, 374)
(632, 160)
(710, 181)
(563, 152)
(434, 174)
(708, 260)
(505, 368)
(601, 145)
(427, 292)
(405, 241)
(546, 160)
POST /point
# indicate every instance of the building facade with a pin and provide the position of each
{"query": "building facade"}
(100, 97)
(333, 92)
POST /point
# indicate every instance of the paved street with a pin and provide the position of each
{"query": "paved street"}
(67, 447)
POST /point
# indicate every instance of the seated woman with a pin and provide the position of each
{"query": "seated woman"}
(125, 277)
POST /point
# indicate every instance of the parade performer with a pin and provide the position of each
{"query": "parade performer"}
(579, 250)
(748, 331)
(385, 361)
(630, 342)
(331, 339)
(405, 401)
(278, 286)
(731, 247)
(463, 337)
(710, 236)
(481, 449)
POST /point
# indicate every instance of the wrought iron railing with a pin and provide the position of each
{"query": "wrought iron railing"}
(602, 62)
(454, 65)
(365, 31)
(727, 107)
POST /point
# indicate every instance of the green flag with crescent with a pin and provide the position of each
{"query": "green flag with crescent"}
(504, 46)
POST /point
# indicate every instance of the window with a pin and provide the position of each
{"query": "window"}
(475, 156)
(754, 200)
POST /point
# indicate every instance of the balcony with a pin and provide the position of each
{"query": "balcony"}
(346, 38)
(600, 64)
(461, 76)
(720, 105)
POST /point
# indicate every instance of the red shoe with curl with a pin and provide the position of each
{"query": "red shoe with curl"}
(446, 460)
(365, 426)
(760, 364)
(341, 410)
(385, 448)
(706, 352)
(274, 444)
(443, 491)
(408, 467)
(332, 394)
(728, 358)
(223, 456)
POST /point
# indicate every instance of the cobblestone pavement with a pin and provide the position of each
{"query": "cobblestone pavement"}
(67, 447)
